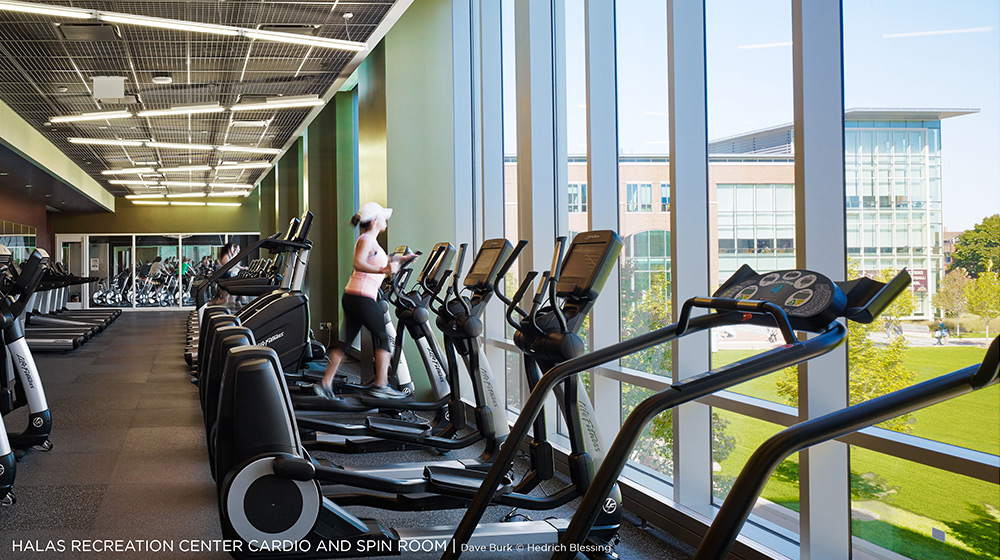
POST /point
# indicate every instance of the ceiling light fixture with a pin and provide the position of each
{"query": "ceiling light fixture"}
(180, 203)
(132, 182)
(151, 202)
(127, 171)
(133, 196)
(232, 185)
(237, 204)
(280, 103)
(176, 146)
(181, 184)
(231, 194)
(248, 149)
(247, 165)
(95, 116)
(103, 142)
(180, 25)
(183, 110)
(185, 168)
(248, 124)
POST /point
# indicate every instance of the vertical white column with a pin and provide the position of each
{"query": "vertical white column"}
(817, 60)
(461, 52)
(490, 150)
(535, 131)
(536, 148)
(688, 107)
(602, 182)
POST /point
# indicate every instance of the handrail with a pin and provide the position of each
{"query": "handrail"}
(755, 474)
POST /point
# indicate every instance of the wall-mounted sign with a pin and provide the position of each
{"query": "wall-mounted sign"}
(95, 264)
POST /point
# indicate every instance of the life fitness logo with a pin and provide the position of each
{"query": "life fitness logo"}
(1, 470)
(37, 422)
(610, 505)
(268, 341)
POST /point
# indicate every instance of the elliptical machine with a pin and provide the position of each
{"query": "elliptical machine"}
(262, 463)
(20, 384)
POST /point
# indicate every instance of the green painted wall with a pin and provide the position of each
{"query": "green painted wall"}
(372, 124)
(419, 133)
(132, 218)
(330, 163)
(268, 218)
(289, 179)
(405, 127)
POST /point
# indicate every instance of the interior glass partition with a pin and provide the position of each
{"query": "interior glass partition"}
(110, 260)
(19, 238)
(147, 271)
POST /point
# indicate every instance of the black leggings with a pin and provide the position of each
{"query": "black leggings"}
(358, 311)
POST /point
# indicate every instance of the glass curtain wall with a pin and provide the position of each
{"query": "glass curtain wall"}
(512, 365)
(913, 176)
(644, 281)
(890, 198)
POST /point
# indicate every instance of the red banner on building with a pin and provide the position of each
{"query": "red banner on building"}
(919, 280)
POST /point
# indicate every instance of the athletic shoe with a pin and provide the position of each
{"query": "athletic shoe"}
(379, 392)
(322, 391)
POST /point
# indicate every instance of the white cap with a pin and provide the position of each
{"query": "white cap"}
(372, 210)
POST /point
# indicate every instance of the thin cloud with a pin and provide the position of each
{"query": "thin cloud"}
(939, 32)
(765, 45)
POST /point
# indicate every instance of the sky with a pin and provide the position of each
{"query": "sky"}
(897, 54)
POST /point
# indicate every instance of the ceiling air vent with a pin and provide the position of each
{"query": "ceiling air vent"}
(87, 32)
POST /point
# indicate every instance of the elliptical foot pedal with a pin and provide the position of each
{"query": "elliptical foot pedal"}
(398, 428)
(454, 480)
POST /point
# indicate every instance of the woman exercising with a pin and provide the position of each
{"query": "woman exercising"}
(360, 304)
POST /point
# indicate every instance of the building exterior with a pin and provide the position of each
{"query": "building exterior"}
(893, 185)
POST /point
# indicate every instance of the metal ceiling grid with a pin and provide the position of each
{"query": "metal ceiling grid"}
(46, 73)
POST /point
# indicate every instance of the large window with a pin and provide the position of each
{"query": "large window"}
(639, 197)
(577, 198)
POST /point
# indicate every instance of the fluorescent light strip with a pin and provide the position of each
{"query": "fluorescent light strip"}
(185, 168)
(131, 196)
(181, 184)
(175, 146)
(187, 195)
(182, 110)
(248, 124)
(248, 165)
(224, 203)
(132, 182)
(290, 104)
(95, 116)
(127, 171)
(232, 185)
(151, 202)
(248, 149)
(180, 25)
(46, 10)
(103, 142)
(232, 194)
(178, 203)
(303, 40)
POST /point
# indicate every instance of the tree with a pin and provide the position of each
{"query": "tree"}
(873, 369)
(950, 297)
(976, 248)
(900, 307)
(983, 295)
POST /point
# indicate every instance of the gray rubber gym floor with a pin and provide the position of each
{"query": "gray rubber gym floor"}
(129, 459)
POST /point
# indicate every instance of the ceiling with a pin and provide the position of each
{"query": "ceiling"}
(48, 64)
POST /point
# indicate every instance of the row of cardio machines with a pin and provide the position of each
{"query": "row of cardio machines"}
(280, 499)
(20, 383)
(49, 324)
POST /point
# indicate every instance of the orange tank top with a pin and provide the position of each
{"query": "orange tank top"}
(367, 283)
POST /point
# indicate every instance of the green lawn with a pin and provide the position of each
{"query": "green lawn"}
(911, 498)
